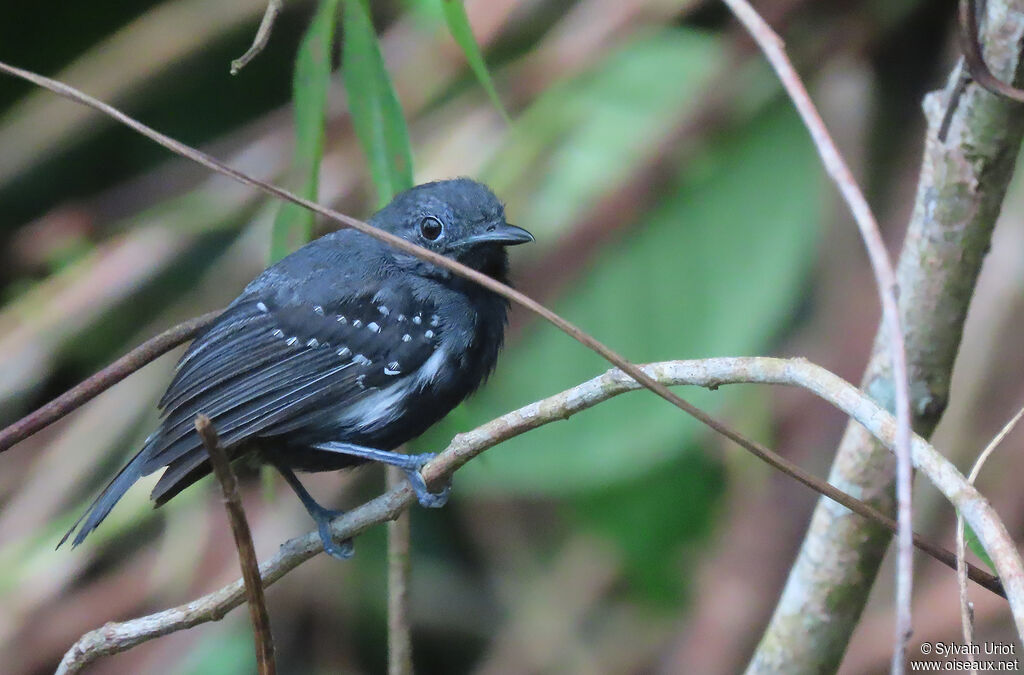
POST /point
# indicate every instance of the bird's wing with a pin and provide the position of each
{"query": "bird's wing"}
(267, 364)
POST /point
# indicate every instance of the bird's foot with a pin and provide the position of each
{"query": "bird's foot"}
(426, 498)
(322, 517)
(410, 464)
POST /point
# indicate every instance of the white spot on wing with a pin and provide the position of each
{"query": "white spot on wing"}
(374, 326)
(435, 320)
(357, 323)
(318, 309)
(313, 342)
(262, 307)
(342, 319)
(406, 337)
(292, 340)
(417, 319)
(277, 332)
(361, 360)
(429, 334)
(383, 309)
(344, 351)
(392, 368)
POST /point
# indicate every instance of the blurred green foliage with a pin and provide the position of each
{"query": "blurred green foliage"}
(458, 24)
(294, 224)
(675, 286)
(376, 113)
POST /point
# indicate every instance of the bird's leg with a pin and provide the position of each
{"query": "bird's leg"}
(410, 464)
(321, 515)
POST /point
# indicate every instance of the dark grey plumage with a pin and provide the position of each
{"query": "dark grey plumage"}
(346, 342)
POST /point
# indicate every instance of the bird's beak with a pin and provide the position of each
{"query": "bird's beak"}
(503, 235)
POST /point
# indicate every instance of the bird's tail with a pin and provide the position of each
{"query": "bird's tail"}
(101, 506)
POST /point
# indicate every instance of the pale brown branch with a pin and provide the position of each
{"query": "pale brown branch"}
(262, 637)
(710, 373)
(262, 36)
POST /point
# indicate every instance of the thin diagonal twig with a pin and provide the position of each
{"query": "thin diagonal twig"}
(262, 636)
(774, 49)
(966, 615)
(967, 17)
(99, 382)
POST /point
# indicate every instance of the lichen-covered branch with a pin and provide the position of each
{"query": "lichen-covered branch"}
(963, 179)
(117, 637)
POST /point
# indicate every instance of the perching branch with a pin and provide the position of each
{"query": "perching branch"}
(262, 636)
(712, 373)
(964, 176)
(774, 50)
(96, 384)
(140, 356)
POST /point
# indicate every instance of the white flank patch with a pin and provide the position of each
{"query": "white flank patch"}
(386, 405)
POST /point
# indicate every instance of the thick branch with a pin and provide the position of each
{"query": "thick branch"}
(711, 373)
(963, 179)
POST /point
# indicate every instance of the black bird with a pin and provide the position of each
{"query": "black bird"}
(339, 353)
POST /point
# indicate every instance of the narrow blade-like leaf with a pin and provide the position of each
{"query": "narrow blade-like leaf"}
(376, 113)
(975, 545)
(293, 226)
(458, 25)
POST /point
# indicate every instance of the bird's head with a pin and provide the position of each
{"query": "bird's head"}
(460, 219)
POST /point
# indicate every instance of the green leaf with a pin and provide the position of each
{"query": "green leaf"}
(293, 226)
(376, 113)
(971, 537)
(716, 269)
(657, 519)
(458, 24)
(225, 649)
(569, 149)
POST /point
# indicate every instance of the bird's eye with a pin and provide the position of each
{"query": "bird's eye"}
(431, 228)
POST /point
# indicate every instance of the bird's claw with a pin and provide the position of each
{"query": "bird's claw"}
(342, 550)
(426, 498)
